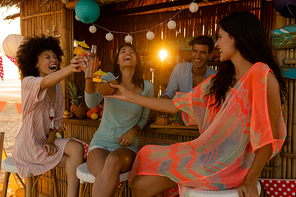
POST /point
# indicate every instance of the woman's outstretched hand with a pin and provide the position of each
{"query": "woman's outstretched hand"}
(120, 93)
(248, 189)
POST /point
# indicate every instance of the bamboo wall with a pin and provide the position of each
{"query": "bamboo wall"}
(288, 170)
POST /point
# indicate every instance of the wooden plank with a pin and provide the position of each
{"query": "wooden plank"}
(157, 126)
(288, 155)
(290, 61)
(82, 122)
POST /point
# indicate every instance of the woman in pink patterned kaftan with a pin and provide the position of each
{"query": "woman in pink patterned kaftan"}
(36, 148)
(238, 112)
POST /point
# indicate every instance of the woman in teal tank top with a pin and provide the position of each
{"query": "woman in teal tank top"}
(113, 147)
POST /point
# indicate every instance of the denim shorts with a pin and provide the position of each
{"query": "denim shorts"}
(108, 149)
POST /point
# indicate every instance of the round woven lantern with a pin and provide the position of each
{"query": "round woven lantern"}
(287, 8)
(11, 43)
(87, 11)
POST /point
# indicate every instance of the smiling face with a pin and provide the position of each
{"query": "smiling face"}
(225, 45)
(127, 57)
(47, 63)
(200, 55)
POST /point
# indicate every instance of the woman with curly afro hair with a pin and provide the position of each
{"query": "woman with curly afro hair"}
(36, 148)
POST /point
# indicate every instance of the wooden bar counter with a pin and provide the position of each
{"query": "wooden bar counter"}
(83, 129)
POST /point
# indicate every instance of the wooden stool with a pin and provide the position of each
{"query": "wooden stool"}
(223, 193)
(9, 167)
(85, 176)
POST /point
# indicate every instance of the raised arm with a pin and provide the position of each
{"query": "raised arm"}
(54, 78)
(158, 104)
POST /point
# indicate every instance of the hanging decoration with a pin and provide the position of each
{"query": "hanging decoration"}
(172, 24)
(92, 29)
(77, 18)
(109, 36)
(11, 43)
(128, 39)
(87, 11)
(150, 35)
(193, 7)
(18, 106)
(13, 60)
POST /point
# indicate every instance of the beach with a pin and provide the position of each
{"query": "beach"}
(10, 119)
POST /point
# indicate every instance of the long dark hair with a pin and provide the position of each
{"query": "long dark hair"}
(138, 75)
(28, 52)
(252, 42)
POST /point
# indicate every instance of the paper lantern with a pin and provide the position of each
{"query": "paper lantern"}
(92, 29)
(193, 7)
(11, 43)
(77, 18)
(171, 24)
(287, 8)
(109, 36)
(128, 39)
(87, 11)
(150, 35)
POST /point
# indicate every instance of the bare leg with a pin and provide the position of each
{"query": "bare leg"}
(72, 158)
(119, 160)
(96, 160)
(145, 186)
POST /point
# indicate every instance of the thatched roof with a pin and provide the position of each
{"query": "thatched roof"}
(11, 3)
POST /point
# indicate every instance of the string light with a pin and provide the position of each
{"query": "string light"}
(193, 7)
(109, 36)
(128, 39)
(150, 35)
(172, 24)
(92, 29)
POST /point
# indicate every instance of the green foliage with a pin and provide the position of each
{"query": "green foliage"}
(74, 93)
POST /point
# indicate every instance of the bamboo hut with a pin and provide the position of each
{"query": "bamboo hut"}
(57, 18)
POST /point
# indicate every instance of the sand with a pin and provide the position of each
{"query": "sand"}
(10, 119)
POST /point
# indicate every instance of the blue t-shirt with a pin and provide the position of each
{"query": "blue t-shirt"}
(118, 118)
(181, 79)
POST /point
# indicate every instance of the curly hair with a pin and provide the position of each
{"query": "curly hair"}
(203, 40)
(31, 48)
(138, 75)
(253, 44)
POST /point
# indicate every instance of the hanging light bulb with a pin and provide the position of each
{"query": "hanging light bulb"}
(109, 36)
(128, 39)
(193, 7)
(92, 29)
(171, 24)
(150, 35)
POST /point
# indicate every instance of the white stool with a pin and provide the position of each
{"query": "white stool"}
(9, 167)
(223, 193)
(85, 176)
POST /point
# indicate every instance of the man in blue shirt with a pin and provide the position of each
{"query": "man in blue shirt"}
(188, 75)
